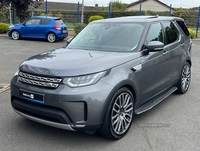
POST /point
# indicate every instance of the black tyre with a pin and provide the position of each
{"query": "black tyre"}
(51, 37)
(15, 35)
(62, 39)
(185, 78)
(119, 115)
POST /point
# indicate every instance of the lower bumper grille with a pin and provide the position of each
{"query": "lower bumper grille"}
(47, 113)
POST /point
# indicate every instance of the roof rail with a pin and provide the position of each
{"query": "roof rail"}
(154, 16)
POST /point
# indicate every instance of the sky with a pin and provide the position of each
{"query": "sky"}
(175, 3)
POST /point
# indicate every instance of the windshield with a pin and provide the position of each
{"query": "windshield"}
(108, 37)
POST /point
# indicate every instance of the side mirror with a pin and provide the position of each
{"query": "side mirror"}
(24, 23)
(154, 46)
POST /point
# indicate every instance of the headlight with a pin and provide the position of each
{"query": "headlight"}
(16, 73)
(11, 26)
(84, 80)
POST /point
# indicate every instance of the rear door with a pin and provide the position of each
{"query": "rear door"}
(175, 43)
(44, 27)
(185, 35)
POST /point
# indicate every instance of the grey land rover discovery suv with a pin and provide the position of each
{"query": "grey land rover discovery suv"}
(112, 69)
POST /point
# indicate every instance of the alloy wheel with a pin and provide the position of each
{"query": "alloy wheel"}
(122, 113)
(186, 77)
(51, 37)
(15, 35)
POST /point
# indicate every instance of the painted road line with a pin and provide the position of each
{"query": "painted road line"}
(4, 87)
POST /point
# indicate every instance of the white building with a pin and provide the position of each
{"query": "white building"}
(152, 5)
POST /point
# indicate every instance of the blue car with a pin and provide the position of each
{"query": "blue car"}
(40, 27)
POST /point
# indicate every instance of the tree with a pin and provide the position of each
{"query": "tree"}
(20, 7)
(118, 6)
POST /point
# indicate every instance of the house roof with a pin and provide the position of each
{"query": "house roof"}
(141, 1)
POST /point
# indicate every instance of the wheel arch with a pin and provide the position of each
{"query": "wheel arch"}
(18, 30)
(128, 84)
(179, 85)
(189, 61)
(15, 30)
(50, 32)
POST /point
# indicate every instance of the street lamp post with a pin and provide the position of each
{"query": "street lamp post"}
(46, 8)
(82, 16)
(10, 12)
(109, 9)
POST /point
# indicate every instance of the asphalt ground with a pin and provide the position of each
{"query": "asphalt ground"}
(173, 125)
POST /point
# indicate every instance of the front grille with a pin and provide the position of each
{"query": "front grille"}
(39, 80)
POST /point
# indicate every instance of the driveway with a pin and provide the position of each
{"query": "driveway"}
(173, 125)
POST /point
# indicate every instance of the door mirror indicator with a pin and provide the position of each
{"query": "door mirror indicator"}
(154, 46)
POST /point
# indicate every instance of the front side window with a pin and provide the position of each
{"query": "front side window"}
(155, 33)
(171, 32)
(33, 21)
(108, 36)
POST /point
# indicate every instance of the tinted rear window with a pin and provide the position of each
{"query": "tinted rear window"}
(59, 22)
(183, 27)
(45, 21)
(171, 32)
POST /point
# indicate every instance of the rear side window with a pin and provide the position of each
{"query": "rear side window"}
(171, 32)
(59, 22)
(45, 21)
(183, 27)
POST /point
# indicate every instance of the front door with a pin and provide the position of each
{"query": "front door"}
(154, 74)
(31, 28)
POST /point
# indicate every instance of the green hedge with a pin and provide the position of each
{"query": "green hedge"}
(189, 16)
(192, 33)
(71, 16)
(95, 17)
(3, 28)
(79, 27)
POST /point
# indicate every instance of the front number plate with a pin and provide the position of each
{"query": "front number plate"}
(32, 96)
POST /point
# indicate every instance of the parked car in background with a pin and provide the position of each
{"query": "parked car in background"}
(112, 69)
(40, 27)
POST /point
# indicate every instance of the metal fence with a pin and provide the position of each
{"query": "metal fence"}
(192, 18)
(197, 24)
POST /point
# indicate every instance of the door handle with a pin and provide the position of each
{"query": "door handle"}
(182, 44)
(165, 52)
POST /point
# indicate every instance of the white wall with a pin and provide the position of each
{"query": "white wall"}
(149, 5)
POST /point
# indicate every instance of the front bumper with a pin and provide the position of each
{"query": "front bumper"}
(9, 33)
(66, 108)
(46, 122)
